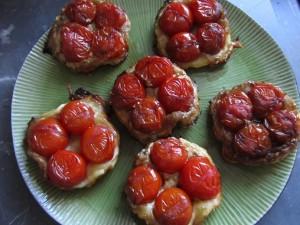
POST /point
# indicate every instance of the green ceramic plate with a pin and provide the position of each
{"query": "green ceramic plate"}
(248, 192)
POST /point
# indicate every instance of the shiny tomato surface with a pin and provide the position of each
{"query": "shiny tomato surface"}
(66, 169)
(81, 11)
(200, 179)
(98, 144)
(173, 207)
(47, 136)
(205, 11)
(143, 184)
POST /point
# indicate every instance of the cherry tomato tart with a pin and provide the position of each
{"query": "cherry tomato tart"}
(194, 33)
(152, 97)
(257, 123)
(173, 182)
(88, 34)
(74, 144)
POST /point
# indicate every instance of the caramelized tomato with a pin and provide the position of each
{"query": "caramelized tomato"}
(176, 94)
(127, 91)
(200, 179)
(147, 116)
(109, 15)
(282, 125)
(175, 18)
(252, 140)
(233, 109)
(211, 37)
(265, 98)
(81, 11)
(76, 117)
(47, 136)
(66, 169)
(98, 143)
(173, 207)
(205, 11)
(168, 155)
(143, 184)
(154, 70)
(75, 42)
(183, 47)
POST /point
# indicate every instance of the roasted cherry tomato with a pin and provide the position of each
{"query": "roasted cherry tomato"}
(153, 70)
(66, 169)
(81, 11)
(127, 91)
(77, 116)
(47, 136)
(147, 116)
(252, 140)
(75, 42)
(168, 155)
(265, 98)
(176, 18)
(176, 94)
(205, 11)
(173, 207)
(200, 179)
(109, 15)
(143, 184)
(211, 37)
(282, 125)
(233, 109)
(108, 44)
(183, 47)
(98, 144)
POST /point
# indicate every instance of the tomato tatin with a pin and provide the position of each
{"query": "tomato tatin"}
(194, 33)
(173, 182)
(88, 34)
(74, 144)
(152, 97)
(256, 122)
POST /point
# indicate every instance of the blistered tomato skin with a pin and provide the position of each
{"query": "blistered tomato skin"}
(127, 90)
(66, 169)
(108, 44)
(98, 144)
(47, 136)
(183, 47)
(233, 109)
(265, 98)
(176, 94)
(76, 117)
(143, 184)
(168, 155)
(176, 18)
(211, 37)
(173, 207)
(252, 140)
(147, 116)
(75, 42)
(200, 179)
(282, 125)
(153, 70)
(109, 15)
(81, 11)
(205, 11)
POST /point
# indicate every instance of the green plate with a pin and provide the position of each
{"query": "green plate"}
(248, 192)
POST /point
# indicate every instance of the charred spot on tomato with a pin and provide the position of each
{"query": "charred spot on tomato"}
(143, 184)
(175, 18)
(211, 37)
(183, 47)
(282, 125)
(127, 90)
(205, 11)
(81, 11)
(147, 115)
(233, 108)
(252, 140)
